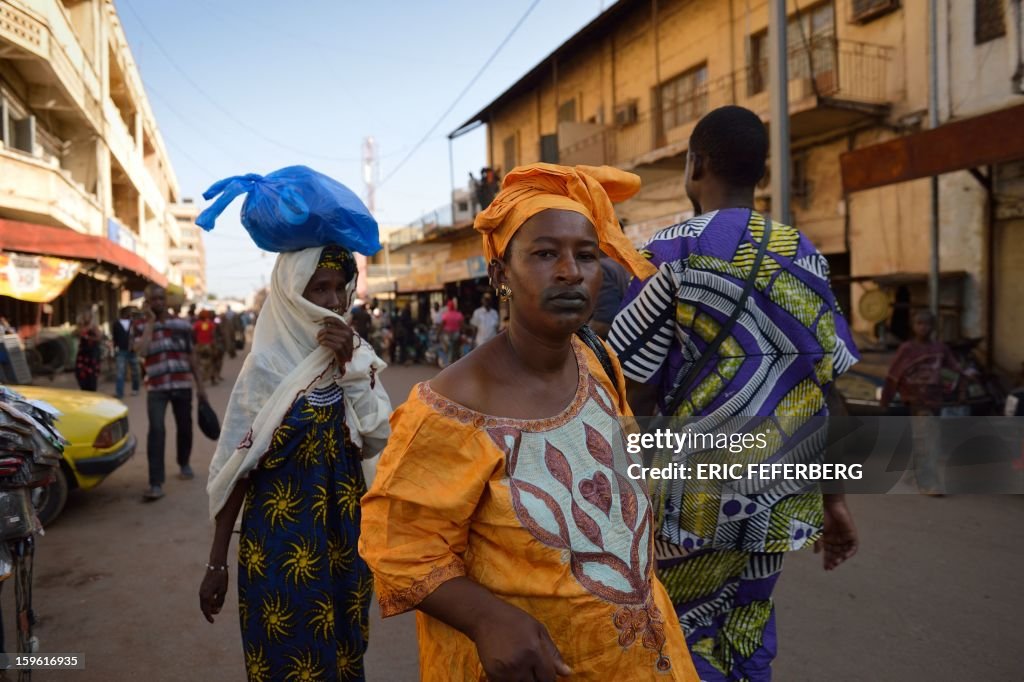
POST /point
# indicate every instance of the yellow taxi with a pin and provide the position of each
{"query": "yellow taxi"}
(96, 426)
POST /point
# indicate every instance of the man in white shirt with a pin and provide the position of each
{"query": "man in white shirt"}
(485, 321)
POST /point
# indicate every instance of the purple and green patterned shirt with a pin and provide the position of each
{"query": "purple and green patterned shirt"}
(779, 360)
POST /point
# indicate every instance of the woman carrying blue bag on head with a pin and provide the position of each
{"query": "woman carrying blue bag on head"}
(308, 405)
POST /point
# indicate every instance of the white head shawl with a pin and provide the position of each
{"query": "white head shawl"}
(285, 362)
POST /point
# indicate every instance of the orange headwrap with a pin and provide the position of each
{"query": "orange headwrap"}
(587, 190)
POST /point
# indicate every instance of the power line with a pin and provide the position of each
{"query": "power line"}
(224, 110)
(472, 82)
(194, 126)
(188, 157)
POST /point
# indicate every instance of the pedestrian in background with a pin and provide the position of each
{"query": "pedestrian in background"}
(484, 321)
(437, 317)
(220, 345)
(451, 330)
(87, 360)
(204, 331)
(125, 358)
(916, 374)
(362, 323)
(165, 344)
(502, 511)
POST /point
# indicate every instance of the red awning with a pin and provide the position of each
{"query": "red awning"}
(65, 243)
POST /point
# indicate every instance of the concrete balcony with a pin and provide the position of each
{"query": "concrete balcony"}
(46, 51)
(34, 190)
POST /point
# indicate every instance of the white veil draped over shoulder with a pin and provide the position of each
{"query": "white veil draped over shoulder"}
(286, 362)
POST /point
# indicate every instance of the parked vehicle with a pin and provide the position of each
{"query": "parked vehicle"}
(96, 427)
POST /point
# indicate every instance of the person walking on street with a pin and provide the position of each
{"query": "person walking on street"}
(125, 357)
(451, 330)
(307, 407)
(229, 332)
(502, 511)
(484, 321)
(87, 361)
(165, 343)
(437, 317)
(362, 323)
(739, 323)
(204, 332)
(916, 374)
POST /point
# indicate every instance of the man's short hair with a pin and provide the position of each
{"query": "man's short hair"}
(734, 143)
(152, 289)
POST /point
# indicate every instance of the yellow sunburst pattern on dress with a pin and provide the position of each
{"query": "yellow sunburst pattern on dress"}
(360, 597)
(305, 667)
(277, 617)
(350, 661)
(321, 616)
(257, 666)
(339, 556)
(321, 503)
(348, 492)
(282, 504)
(300, 564)
(329, 446)
(275, 456)
(252, 556)
(310, 451)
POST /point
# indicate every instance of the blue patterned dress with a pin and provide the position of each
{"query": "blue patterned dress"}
(303, 590)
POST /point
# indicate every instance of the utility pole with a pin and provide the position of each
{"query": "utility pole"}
(370, 171)
(370, 180)
(779, 110)
(933, 122)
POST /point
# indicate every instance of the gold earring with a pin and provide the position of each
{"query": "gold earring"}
(504, 292)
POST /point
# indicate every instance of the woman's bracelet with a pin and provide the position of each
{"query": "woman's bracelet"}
(211, 567)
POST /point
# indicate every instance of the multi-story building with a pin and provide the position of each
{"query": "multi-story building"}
(977, 153)
(629, 87)
(84, 175)
(190, 256)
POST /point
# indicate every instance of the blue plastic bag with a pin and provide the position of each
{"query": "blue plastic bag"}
(295, 208)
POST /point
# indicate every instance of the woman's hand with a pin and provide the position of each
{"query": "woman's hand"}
(212, 592)
(513, 646)
(338, 337)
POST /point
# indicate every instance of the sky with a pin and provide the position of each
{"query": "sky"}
(250, 86)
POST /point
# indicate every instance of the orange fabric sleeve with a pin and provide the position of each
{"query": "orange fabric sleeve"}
(416, 516)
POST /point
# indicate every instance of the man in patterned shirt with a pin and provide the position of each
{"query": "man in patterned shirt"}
(165, 343)
(720, 554)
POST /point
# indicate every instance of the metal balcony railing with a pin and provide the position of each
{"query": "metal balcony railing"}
(824, 68)
(839, 69)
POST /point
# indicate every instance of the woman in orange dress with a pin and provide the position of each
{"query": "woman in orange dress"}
(502, 510)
